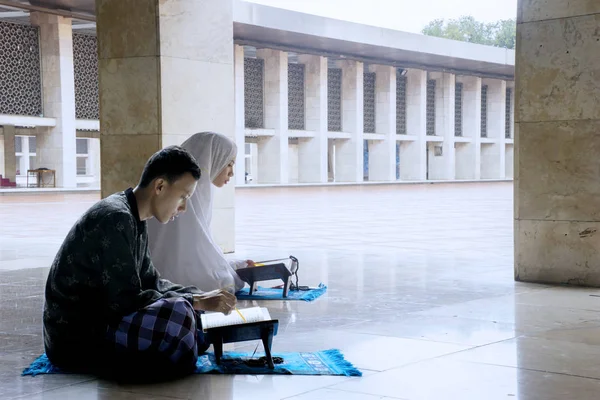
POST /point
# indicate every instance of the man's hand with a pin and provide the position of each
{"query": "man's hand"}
(217, 300)
(250, 263)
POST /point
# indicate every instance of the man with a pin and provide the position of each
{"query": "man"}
(107, 310)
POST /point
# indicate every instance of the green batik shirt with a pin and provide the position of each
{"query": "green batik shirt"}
(102, 272)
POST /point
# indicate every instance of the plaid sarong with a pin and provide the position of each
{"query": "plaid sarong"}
(166, 330)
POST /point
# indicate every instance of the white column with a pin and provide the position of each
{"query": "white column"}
(349, 152)
(509, 148)
(10, 158)
(273, 163)
(57, 148)
(94, 160)
(449, 107)
(3, 150)
(494, 154)
(512, 111)
(382, 153)
(312, 153)
(240, 122)
(496, 108)
(412, 154)
(472, 120)
(443, 167)
(25, 158)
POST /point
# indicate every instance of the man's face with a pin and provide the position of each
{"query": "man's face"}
(170, 199)
(223, 178)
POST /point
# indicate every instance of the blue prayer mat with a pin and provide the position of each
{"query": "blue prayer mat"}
(277, 294)
(327, 362)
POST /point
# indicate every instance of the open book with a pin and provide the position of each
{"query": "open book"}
(289, 264)
(216, 320)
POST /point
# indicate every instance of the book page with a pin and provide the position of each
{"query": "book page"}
(285, 261)
(253, 314)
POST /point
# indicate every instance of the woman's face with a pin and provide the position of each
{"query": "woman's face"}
(227, 173)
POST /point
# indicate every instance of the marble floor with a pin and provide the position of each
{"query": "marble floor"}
(421, 298)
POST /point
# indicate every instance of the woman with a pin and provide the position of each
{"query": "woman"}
(184, 250)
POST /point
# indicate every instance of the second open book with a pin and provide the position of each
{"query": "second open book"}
(252, 314)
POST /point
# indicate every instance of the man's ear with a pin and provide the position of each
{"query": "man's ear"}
(159, 185)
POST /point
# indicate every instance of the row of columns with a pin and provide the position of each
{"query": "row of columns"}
(273, 164)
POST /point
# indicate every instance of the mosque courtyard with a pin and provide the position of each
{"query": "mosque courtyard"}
(421, 298)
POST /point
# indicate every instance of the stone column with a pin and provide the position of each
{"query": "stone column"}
(349, 152)
(413, 165)
(557, 191)
(472, 120)
(312, 155)
(240, 122)
(166, 72)
(382, 153)
(56, 148)
(273, 161)
(10, 158)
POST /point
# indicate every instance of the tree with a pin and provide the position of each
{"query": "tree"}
(467, 29)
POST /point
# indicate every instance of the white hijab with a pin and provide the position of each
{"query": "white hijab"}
(183, 250)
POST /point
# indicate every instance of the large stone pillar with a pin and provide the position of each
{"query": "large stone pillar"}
(413, 166)
(312, 153)
(10, 158)
(557, 143)
(349, 152)
(382, 153)
(166, 72)
(56, 148)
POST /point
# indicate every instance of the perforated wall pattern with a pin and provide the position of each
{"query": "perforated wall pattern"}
(400, 103)
(296, 96)
(507, 127)
(484, 100)
(458, 119)
(334, 99)
(254, 92)
(430, 124)
(369, 102)
(85, 63)
(20, 77)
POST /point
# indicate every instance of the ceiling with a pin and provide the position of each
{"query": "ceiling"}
(75, 6)
(81, 11)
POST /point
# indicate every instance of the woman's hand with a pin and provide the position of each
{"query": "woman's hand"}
(217, 300)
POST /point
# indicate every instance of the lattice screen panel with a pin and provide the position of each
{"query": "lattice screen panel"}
(400, 103)
(484, 114)
(296, 96)
(430, 124)
(254, 92)
(458, 103)
(20, 76)
(334, 99)
(85, 63)
(507, 118)
(369, 102)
